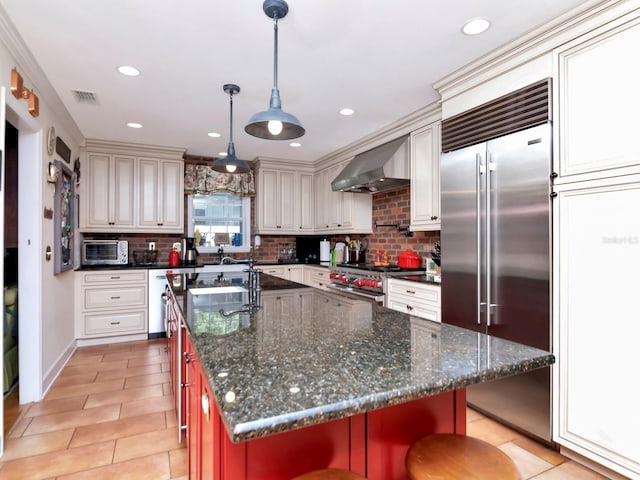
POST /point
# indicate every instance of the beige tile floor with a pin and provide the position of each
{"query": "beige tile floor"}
(110, 415)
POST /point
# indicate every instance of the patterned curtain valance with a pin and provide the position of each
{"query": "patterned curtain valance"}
(203, 179)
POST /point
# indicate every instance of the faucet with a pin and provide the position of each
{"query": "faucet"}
(225, 260)
(250, 261)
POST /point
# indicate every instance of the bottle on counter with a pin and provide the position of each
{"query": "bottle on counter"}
(174, 258)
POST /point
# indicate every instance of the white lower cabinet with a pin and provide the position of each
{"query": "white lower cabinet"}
(288, 272)
(317, 277)
(415, 298)
(112, 303)
(596, 252)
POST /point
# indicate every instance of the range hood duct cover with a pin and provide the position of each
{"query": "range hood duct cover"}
(381, 169)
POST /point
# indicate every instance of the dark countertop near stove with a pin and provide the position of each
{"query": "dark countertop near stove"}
(424, 278)
(165, 265)
(307, 356)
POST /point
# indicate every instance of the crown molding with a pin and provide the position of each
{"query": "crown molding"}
(134, 149)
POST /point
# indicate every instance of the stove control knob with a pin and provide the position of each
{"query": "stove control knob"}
(358, 282)
(377, 284)
(333, 275)
(344, 280)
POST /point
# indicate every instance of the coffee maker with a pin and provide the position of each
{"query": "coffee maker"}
(188, 251)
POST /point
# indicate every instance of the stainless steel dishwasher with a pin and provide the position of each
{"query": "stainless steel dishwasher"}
(157, 309)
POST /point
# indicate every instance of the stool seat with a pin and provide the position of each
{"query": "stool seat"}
(448, 456)
(330, 474)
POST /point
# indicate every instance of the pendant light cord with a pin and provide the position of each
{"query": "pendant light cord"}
(275, 52)
(231, 149)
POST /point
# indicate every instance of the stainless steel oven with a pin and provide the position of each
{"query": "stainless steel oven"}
(365, 280)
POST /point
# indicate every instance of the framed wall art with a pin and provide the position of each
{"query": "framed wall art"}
(64, 220)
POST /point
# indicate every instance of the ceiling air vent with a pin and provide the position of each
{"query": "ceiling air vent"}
(88, 98)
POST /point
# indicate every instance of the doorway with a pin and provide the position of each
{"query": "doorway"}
(10, 340)
(11, 316)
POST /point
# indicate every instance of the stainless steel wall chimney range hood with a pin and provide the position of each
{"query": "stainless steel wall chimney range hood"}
(381, 169)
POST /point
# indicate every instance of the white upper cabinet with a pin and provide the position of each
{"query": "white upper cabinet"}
(306, 202)
(425, 178)
(284, 199)
(598, 102)
(140, 190)
(161, 199)
(340, 212)
(109, 193)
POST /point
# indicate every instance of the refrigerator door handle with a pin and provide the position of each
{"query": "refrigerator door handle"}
(491, 166)
(480, 170)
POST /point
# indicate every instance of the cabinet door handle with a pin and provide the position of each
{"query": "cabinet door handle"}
(160, 224)
(409, 307)
(553, 175)
(115, 323)
(115, 298)
(204, 400)
(553, 194)
(411, 292)
(434, 217)
(114, 278)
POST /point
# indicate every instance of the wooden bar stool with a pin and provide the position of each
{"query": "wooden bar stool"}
(330, 474)
(448, 456)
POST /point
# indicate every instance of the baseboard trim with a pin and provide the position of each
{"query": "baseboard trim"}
(87, 342)
(57, 367)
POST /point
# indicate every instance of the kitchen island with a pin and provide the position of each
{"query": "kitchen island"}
(288, 378)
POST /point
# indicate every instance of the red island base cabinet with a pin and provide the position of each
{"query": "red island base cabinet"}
(372, 444)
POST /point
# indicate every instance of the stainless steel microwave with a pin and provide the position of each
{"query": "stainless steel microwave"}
(105, 252)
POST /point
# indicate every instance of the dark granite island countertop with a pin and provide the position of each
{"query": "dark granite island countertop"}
(307, 356)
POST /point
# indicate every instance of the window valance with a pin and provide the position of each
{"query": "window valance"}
(203, 179)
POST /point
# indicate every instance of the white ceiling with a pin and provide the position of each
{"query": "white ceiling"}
(378, 57)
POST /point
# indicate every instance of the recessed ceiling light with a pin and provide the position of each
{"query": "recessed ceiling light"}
(295, 144)
(347, 111)
(476, 26)
(214, 134)
(128, 71)
(134, 125)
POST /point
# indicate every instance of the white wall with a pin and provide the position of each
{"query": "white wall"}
(46, 301)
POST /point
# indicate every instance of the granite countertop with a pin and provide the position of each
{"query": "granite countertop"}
(166, 266)
(307, 356)
(424, 278)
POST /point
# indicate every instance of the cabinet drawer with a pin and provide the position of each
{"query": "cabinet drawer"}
(91, 278)
(115, 323)
(320, 280)
(132, 296)
(430, 312)
(407, 290)
(276, 271)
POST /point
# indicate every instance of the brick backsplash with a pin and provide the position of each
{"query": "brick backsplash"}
(388, 208)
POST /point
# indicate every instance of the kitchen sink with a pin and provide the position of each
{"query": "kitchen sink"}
(221, 289)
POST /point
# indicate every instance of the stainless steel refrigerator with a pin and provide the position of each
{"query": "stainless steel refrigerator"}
(496, 261)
